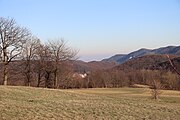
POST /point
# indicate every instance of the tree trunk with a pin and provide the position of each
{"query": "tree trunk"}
(56, 81)
(55, 78)
(5, 67)
(5, 74)
(47, 79)
(39, 79)
(29, 72)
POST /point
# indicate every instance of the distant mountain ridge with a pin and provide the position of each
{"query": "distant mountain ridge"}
(122, 58)
(114, 58)
(140, 59)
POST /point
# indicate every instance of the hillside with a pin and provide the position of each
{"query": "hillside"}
(144, 62)
(166, 65)
(121, 103)
(81, 66)
(173, 50)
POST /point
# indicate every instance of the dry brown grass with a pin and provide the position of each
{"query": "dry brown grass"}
(26, 103)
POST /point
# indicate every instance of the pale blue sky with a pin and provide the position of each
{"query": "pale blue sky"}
(100, 28)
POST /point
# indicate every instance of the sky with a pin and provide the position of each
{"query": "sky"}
(99, 28)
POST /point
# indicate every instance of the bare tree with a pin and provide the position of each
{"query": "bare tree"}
(12, 38)
(156, 89)
(44, 66)
(48, 66)
(28, 58)
(40, 61)
(60, 52)
(156, 85)
(65, 79)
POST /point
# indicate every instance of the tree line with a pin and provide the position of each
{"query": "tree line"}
(23, 56)
(120, 78)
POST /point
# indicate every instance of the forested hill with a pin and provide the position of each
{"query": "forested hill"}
(146, 62)
(120, 58)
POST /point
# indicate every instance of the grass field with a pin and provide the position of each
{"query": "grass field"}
(27, 103)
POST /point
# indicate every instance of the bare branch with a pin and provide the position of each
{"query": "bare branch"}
(171, 63)
(12, 38)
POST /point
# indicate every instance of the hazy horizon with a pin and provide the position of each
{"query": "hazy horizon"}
(106, 56)
(100, 29)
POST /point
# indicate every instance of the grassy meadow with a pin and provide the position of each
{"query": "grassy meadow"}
(28, 103)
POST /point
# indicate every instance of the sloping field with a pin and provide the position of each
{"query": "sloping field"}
(27, 103)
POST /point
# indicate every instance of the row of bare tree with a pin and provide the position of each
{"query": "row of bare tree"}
(116, 78)
(21, 52)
